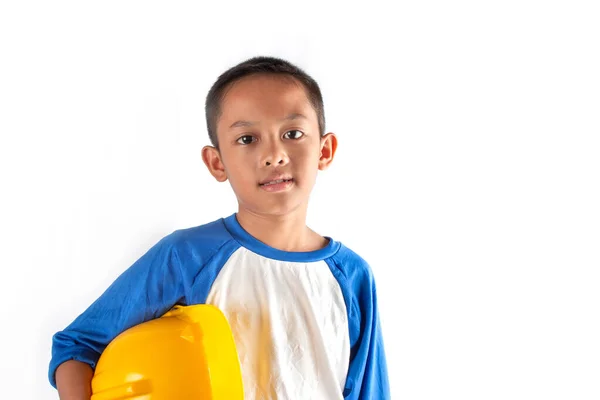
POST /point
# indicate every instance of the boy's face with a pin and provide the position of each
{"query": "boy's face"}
(270, 148)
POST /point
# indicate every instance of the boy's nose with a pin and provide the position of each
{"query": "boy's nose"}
(276, 156)
(280, 162)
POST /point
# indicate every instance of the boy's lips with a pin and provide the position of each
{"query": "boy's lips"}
(275, 179)
(277, 183)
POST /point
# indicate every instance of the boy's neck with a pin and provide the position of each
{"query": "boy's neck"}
(283, 232)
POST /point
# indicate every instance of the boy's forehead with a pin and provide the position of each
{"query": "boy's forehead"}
(263, 96)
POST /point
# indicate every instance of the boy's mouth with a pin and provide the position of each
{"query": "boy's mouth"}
(275, 182)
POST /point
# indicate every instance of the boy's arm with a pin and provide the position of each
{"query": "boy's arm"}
(146, 290)
(367, 376)
(367, 373)
(74, 379)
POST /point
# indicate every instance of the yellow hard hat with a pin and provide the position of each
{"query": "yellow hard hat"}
(186, 354)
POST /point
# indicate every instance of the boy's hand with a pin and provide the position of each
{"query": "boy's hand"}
(74, 380)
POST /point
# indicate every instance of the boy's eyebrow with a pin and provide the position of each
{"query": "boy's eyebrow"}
(244, 124)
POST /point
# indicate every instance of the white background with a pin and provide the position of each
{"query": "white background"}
(468, 171)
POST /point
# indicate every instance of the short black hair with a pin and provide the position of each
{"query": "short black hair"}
(259, 65)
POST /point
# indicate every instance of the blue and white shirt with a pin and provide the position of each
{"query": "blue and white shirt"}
(305, 324)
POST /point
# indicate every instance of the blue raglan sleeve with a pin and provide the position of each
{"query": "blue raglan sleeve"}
(146, 290)
(367, 373)
(367, 377)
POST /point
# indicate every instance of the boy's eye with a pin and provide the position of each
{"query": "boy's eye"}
(246, 139)
(293, 134)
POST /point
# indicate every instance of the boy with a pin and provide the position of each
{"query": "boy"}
(302, 307)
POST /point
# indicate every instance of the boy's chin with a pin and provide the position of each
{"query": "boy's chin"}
(276, 209)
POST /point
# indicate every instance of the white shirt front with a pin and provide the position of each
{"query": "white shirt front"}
(290, 326)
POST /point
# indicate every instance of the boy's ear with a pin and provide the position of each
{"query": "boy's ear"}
(212, 160)
(328, 148)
